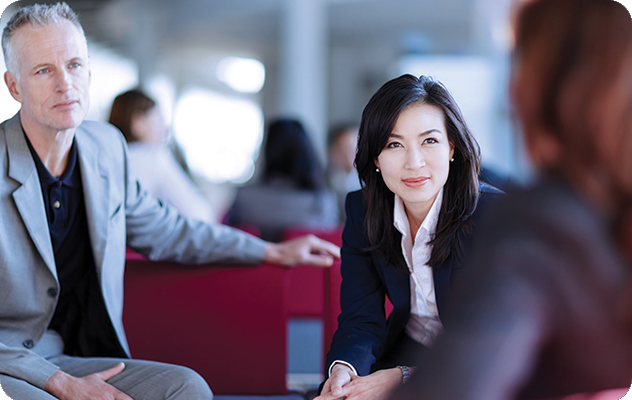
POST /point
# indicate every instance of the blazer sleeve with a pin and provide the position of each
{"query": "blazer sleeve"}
(361, 324)
(158, 231)
(25, 365)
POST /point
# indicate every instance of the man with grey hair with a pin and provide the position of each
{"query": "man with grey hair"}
(70, 205)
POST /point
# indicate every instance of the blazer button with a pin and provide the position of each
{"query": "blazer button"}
(52, 292)
(29, 344)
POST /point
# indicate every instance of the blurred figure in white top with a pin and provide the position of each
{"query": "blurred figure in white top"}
(141, 122)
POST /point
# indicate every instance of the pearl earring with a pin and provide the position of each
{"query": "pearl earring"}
(451, 160)
(377, 170)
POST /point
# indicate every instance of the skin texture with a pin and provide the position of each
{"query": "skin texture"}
(67, 387)
(416, 160)
(53, 88)
(344, 384)
(414, 165)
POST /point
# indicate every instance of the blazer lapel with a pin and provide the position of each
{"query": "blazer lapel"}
(441, 278)
(95, 193)
(28, 197)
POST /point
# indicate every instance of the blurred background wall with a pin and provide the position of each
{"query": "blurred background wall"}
(221, 68)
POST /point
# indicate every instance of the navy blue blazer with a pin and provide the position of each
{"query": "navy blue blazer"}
(364, 334)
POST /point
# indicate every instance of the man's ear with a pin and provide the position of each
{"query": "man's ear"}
(12, 85)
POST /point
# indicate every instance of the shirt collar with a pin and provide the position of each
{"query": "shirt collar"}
(429, 224)
(67, 178)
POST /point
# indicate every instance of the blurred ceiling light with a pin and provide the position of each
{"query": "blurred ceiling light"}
(220, 135)
(245, 75)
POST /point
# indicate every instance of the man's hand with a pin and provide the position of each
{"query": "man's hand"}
(305, 250)
(378, 385)
(91, 387)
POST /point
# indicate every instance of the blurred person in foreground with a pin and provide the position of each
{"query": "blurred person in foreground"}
(550, 312)
(292, 193)
(139, 119)
(404, 235)
(70, 204)
(342, 176)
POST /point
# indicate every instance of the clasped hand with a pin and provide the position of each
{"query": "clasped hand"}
(344, 384)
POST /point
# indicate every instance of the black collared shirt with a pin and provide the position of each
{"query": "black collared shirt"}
(80, 317)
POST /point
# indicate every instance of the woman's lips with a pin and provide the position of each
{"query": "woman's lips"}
(415, 182)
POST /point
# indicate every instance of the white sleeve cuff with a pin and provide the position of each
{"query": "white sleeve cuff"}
(344, 363)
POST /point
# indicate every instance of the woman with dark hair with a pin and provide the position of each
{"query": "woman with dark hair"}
(406, 229)
(549, 313)
(138, 117)
(289, 155)
(292, 192)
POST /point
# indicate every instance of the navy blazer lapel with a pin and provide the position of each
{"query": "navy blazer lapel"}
(441, 278)
(95, 192)
(28, 196)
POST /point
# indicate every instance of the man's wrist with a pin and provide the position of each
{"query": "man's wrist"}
(56, 383)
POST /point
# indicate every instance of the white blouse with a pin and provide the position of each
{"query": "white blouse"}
(424, 324)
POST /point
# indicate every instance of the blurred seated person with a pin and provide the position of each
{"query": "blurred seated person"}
(549, 315)
(342, 176)
(292, 191)
(138, 117)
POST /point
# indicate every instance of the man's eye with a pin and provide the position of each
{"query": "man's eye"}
(42, 71)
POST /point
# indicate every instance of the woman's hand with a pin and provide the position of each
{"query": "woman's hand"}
(378, 385)
(340, 375)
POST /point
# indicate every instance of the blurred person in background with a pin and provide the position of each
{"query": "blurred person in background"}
(138, 117)
(292, 192)
(549, 311)
(404, 235)
(342, 176)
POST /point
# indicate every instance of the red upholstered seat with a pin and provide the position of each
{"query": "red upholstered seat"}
(306, 291)
(228, 323)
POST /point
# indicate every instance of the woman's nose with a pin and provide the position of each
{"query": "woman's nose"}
(414, 159)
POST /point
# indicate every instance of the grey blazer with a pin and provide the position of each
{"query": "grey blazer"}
(120, 213)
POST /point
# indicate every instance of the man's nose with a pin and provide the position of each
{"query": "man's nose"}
(64, 81)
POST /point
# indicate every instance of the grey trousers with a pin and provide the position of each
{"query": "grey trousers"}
(141, 380)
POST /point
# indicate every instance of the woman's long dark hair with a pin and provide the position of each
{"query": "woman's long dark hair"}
(460, 194)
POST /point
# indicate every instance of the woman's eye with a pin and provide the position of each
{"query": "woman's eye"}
(431, 141)
(393, 145)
